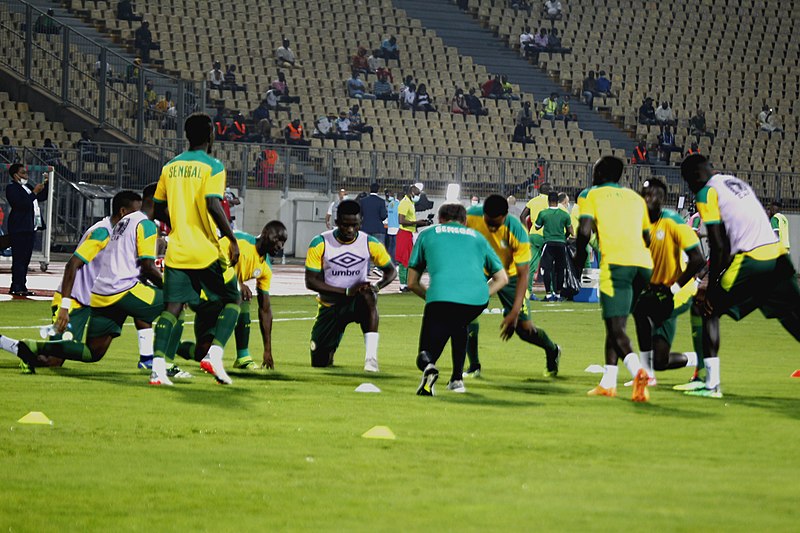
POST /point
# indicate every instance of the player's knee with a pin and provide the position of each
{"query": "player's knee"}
(368, 298)
(321, 358)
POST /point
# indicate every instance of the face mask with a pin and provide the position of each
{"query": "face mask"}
(23, 181)
(391, 198)
(415, 198)
(346, 197)
(474, 202)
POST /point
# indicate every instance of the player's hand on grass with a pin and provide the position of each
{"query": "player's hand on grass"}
(62, 320)
(233, 253)
(268, 362)
(508, 325)
(247, 294)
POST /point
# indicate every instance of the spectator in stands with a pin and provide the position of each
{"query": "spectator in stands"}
(640, 155)
(603, 85)
(508, 89)
(552, 10)
(293, 134)
(458, 104)
(359, 62)
(666, 144)
(125, 11)
(693, 149)
(408, 96)
(281, 89)
(220, 125)
(765, 121)
(325, 128)
(422, 101)
(230, 81)
(284, 56)
(261, 112)
(474, 104)
(150, 99)
(132, 71)
(383, 71)
(50, 154)
(8, 154)
(520, 5)
(589, 89)
(525, 117)
(526, 44)
(383, 89)
(164, 103)
(47, 24)
(272, 99)
(98, 69)
(492, 88)
(647, 113)
(143, 41)
(265, 167)
(520, 135)
(664, 115)
(373, 63)
(541, 41)
(550, 108)
(554, 43)
(698, 127)
(356, 88)
(357, 123)
(88, 149)
(563, 110)
(170, 120)
(389, 49)
(238, 131)
(216, 78)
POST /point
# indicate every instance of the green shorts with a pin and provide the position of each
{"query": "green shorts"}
(620, 287)
(329, 326)
(142, 303)
(78, 317)
(749, 284)
(507, 296)
(213, 283)
(668, 329)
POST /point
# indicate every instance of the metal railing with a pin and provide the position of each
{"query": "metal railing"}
(70, 67)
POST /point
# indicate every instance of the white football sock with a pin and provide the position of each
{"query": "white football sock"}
(146, 342)
(632, 363)
(371, 344)
(712, 372)
(691, 358)
(159, 366)
(8, 344)
(646, 358)
(609, 380)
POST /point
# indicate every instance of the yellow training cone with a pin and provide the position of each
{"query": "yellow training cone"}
(379, 432)
(35, 417)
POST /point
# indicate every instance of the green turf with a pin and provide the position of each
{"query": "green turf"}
(518, 452)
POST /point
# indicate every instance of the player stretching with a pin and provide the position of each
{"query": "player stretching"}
(508, 238)
(619, 216)
(672, 287)
(253, 264)
(456, 259)
(70, 305)
(189, 200)
(336, 268)
(117, 292)
(749, 268)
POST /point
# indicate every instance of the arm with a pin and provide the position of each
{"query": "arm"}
(693, 267)
(70, 271)
(315, 281)
(414, 284)
(584, 234)
(214, 206)
(18, 198)
(525, 214)
(498, 281)
(389, 274)
(150, 272)
(417, 223)
(265, 322)
(509, 323)
(570, 231)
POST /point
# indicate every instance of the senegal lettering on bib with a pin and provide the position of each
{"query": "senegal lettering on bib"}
(344, 265)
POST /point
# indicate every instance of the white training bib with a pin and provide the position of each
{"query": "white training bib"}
(119, 266)
(87, 274)
(746, 222)
(344, 265)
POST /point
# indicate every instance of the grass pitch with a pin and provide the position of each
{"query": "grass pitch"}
(518, 452)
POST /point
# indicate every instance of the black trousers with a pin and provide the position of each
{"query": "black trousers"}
(21, 251)
(443, 321)
(553, 263)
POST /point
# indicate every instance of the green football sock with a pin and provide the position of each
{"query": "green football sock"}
(697, 339)
(186, 350)
(175, 338)
(540, 339)
(70, 350)
(163, 332)
(242, 332)
(472, 345)
(403, 274)
(226, 324)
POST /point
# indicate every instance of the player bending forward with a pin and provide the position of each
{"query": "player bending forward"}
(749, 269)
(117, 292)
(456, 259)
(336, 267)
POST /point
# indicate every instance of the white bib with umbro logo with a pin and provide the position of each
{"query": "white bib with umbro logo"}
(344, 265)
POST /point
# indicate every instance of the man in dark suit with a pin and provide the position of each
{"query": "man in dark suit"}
(373, 213)
(21, 226)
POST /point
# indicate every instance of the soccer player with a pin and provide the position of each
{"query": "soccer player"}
(672, 287)
(117, 292)
(749, 269)
(556, 226)
(336, 268)
(189, 200)
(253, 264)
(779, 223)
(508, 239)
(407, 216)
(70, 305)
(456, 259)
(536, 237)
(619, 216)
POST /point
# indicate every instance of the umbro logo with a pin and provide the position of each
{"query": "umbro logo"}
(347, 260)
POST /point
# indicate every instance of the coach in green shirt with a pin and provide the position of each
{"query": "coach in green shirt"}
(458, 260)
(556, 226)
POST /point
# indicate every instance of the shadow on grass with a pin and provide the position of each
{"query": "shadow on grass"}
(788, 407)
(471, 398)
(531, 386)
